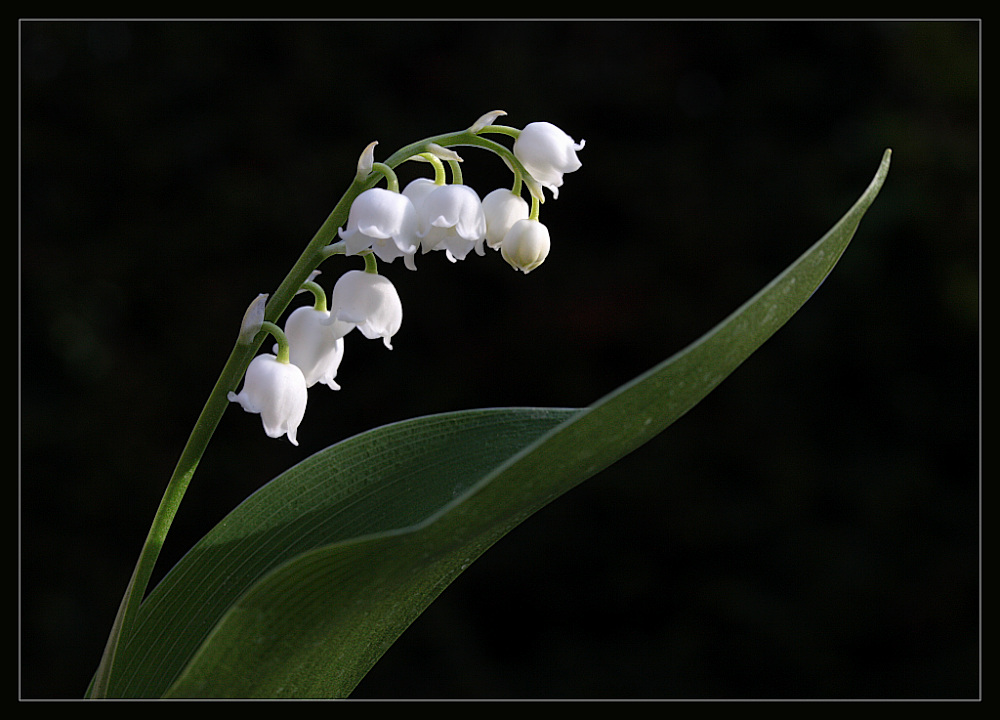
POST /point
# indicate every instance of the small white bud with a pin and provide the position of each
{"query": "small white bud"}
(526, 245)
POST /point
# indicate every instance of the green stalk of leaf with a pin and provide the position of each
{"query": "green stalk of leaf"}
(303, 587)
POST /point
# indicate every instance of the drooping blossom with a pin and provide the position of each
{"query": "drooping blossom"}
(384, 221)
(450, 218)
(368, 302)
(276, 390)
(313, 347)
(547, 153)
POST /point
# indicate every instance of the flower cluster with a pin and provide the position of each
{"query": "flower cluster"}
(429, 214)
(311, 346)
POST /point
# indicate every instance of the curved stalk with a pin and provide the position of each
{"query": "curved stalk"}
(315, 252)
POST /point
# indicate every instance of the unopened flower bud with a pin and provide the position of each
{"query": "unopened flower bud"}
(526, 245)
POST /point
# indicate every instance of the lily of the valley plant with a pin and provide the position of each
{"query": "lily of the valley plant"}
(304, 585)
(431, 214)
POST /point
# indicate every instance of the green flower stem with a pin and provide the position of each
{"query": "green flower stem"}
(456, 172)
(502, 129)
(391, 182)
(319, 294)
(439, 176)
(315, 252)
(337, 248)
(283, 354)
(535, 207)
(453, 140)
(516, 187)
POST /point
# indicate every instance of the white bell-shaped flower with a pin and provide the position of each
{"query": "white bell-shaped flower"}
(276, 390)
(526, 245)
(384, 221)
(502, 208)
(368, 302)
(547, 152)
(418, 189)
(313, 347)
(450, 218)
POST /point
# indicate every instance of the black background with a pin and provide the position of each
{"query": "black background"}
(810, 530)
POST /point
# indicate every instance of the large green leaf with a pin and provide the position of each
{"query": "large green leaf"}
(301, 589)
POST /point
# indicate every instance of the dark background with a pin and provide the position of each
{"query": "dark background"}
(810, 530)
